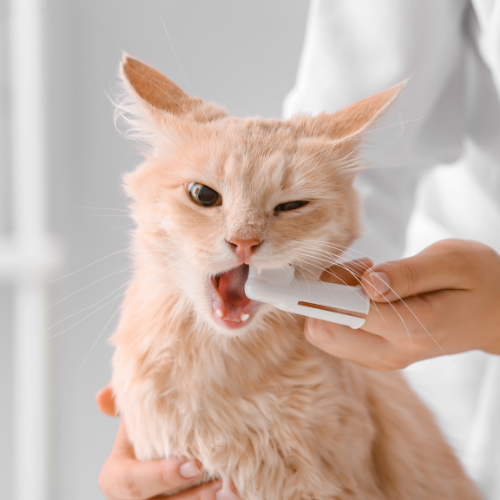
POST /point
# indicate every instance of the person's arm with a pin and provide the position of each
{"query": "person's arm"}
(123, 477)
(444, 300)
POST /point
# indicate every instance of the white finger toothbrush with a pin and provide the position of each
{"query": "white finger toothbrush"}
(346, 305)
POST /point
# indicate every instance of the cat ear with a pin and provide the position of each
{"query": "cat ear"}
(159, 95)
(353, 120)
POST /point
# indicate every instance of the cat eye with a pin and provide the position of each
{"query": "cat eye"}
(204, 195)
(291, 205)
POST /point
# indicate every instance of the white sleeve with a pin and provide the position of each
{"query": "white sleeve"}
(355, 48)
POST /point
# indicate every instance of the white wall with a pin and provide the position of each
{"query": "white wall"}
(241, 54)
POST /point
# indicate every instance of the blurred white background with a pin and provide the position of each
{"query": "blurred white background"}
(61, 162)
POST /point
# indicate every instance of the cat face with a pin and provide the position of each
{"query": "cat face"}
(217, 194)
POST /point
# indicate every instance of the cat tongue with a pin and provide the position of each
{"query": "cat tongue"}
(232, 286)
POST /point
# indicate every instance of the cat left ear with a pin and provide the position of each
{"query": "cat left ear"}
(159, 95)
(355, 119)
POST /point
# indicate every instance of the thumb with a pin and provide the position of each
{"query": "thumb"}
(430, 270)
(105, 400)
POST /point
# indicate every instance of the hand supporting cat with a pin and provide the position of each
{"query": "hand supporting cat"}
(123, 477)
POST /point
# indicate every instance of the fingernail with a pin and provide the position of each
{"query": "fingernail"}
(380, 283)
(189, 469)
(225, 494)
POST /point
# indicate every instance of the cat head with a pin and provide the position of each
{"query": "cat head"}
(217, 193)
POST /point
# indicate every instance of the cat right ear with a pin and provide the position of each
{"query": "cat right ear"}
(160, 97)
(352, 121)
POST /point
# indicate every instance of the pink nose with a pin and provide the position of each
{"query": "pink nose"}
(244, 248)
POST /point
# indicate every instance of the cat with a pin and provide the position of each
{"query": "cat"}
(202, 372)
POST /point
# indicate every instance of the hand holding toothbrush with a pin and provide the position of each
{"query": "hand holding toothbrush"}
(444, 300)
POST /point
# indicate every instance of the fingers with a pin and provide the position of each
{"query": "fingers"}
(106, 401)
(343, 342)
(142, 480)
(206, 492)
(347, 274)
(125, 478)
(411, 316)
(441, 301)
(444, 265)
(394, 334)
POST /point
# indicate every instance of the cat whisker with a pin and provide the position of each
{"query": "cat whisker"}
(109, 215)
(104, 298)
(356, 275)
(322, 269)
(86, 309)
(88, 315)
(333, 261)
(330, 257)
(300, 270)
(100, 335)
(350, 252)
(87, 266)
(103, 208)
(328, 271)
(324, 260)
(415, 316)
(317, 277)
(87, 286)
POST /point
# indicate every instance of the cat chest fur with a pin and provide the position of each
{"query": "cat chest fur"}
(280, 431)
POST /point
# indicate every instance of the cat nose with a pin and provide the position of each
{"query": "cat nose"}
(244, 248)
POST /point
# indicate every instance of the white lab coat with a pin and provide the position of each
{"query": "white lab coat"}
(449, 114)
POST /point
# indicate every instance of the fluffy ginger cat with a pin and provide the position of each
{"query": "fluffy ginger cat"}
(202, 372)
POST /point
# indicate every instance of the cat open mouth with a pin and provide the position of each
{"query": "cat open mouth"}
(231, 307)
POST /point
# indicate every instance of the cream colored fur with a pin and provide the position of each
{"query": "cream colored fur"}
(259, 406)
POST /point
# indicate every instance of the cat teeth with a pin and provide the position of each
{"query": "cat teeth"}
(243, 317)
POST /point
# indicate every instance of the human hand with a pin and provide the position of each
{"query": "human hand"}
(444, 300)
(123, 477)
